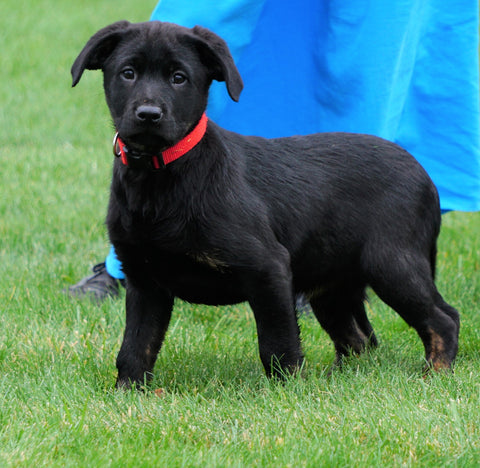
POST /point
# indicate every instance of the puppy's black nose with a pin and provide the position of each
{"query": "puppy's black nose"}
(147, 114)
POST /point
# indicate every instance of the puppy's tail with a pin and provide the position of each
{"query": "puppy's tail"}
(433, 248)
(433, 259)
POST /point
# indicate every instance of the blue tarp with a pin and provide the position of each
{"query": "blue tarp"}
(405, 70)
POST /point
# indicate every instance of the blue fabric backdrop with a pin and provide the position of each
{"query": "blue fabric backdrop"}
(406, 70)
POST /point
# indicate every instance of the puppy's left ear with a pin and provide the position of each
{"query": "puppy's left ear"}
(215, 53)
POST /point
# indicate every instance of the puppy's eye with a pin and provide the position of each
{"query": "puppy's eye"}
(128, 74)
(178, 78)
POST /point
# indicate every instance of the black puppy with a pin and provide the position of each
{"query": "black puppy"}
(213, 217)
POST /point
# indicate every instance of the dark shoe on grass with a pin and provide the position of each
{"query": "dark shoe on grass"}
(97, 287)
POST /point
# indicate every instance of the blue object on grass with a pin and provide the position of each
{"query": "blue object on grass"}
(113, 265)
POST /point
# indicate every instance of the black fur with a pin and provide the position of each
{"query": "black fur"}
(249, 219)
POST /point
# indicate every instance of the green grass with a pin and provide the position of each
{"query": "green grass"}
(57, 356)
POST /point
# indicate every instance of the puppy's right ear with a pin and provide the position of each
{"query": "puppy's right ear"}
(98, 49)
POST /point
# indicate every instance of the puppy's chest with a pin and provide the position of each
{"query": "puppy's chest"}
(169, 238)
(169, 226)
(154, 217)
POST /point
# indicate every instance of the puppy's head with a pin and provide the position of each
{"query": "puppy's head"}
(156, 78)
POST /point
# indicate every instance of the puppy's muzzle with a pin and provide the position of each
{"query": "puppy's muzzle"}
(149, 114)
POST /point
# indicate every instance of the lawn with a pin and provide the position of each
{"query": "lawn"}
(57, 355)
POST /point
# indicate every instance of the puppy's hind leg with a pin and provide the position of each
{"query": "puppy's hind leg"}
(443, 351)
(341, 312)
(404, 281)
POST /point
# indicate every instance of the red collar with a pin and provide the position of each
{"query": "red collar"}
(132, 159)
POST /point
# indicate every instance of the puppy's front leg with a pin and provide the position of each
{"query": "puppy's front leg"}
(272, 302)
(148, 316)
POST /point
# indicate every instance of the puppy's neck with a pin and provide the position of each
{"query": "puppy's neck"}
(159, 161)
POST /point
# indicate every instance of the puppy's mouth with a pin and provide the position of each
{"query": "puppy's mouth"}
(147, 137)
(147, 142)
